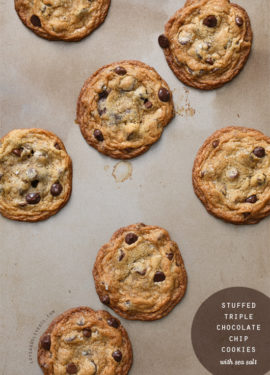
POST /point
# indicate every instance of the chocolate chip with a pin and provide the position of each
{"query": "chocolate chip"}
(17, 151)
(159, 276)
(163, 41)
(164, 94)
(117, 356)
(209, 61)
(246, 214)
(131, 238)
(87, 332)
(102, 111)
(98, 135)
(71, 368)
(56, 189)
(35, 20)
(210, 21)
(239, 21)
(113, 322)
(34, 183)
(121, 256)
(252, 199)
(120, 71)
(103, 94)
(33, 198)
(46, 342)
(57, 146)
(215, 143)
(142, 272)
(148, 104)
(259, 152)
(170, 255)
(105, 299)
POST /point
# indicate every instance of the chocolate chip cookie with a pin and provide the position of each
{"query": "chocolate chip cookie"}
(207, 42)
(123, 108)
(140, 273)
(231, 175)
(69, 20)
(35, 175)
(85, 342)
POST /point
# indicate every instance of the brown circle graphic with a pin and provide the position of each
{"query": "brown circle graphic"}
(231, 332)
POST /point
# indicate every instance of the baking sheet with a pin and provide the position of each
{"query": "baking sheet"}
(46, 267)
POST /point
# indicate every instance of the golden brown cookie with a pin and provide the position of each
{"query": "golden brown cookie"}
(85, 342)
(123, 108)
(207, 42)
(35, 175)
(231, 175)
(69, 20)
(140, 273)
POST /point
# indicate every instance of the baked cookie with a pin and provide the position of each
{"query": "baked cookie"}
(35, 175)
(231, 175)
(123, 108)
(207, 42)
(140, 273)
(85, 342)
(69, 20)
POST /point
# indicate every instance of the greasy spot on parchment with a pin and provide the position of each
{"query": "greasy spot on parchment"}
(122, 171)
(185, 108)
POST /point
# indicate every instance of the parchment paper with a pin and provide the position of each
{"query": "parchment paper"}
(46, 267)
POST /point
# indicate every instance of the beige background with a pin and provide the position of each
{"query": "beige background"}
(46, 266)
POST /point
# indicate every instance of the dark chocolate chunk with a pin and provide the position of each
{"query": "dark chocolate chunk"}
(102, 111)
(120, 71)
(259, 152)
(209, 61)
(239, 21)
(131, 238)
(210, 21)
(33, 198)
(56, 189)
(113, 322)
(57, 146)
(215, 143)
(163, 41)
(121, 256)
(35, 20)
(17, 151)
(170, 255)
(72, 368)
(103, 94)
(164, 94)
(105, 299)
(117, 356)
(159, 276)
(252, 199)
(98, 135)
(87, 332)
(46, 342)
(34, 183)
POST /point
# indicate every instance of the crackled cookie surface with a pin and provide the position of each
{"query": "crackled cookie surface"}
(85, 342)
(207, 42)
(140, 273)
(123, 109)
(69, 20)
(35, 175)
(231, 175)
